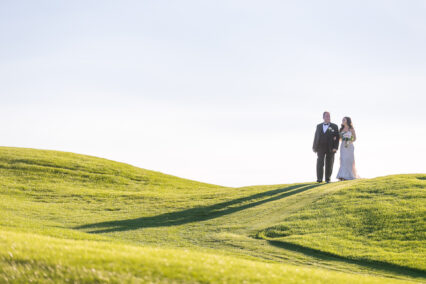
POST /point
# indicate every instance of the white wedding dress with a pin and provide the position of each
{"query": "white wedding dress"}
(347, 168)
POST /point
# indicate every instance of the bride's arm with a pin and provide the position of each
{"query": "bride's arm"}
(354, 134)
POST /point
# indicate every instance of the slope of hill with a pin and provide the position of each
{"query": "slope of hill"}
(29, 258)
(380, 220)
(82, 218)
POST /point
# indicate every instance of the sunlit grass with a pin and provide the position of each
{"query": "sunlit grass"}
(68, 217)
(379, 220)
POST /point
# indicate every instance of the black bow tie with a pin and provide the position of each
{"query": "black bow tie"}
(326, 123)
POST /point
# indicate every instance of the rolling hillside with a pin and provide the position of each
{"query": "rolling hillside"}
(76, 218)
(377, 221)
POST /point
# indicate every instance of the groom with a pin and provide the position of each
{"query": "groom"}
(326, 143)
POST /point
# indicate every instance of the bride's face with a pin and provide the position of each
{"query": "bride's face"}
(344, 122)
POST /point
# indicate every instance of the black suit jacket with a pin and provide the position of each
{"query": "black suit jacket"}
(330, 139)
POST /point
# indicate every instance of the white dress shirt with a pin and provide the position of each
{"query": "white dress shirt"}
(325, 127)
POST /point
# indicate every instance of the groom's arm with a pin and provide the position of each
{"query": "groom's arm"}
(336, 138)
(315, 146)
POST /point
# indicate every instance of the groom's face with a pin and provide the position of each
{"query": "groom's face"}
(326, 117)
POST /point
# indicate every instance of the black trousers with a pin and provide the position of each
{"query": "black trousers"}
(328, 157)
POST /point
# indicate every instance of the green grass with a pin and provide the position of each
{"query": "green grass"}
(378, 221)
(66, 217)
(32, 257)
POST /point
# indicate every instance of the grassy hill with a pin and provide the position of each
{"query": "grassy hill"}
(376, 221)
(69, 217)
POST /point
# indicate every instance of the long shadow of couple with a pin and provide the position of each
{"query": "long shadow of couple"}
(196, 214)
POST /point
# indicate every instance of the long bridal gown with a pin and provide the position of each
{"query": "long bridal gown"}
(347, 168)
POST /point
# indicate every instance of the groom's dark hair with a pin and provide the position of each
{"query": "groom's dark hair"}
(323, 114)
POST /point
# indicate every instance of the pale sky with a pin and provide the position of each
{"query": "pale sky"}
(225, 92)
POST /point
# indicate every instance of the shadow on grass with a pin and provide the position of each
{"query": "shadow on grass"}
(372, 264)
(198, 213)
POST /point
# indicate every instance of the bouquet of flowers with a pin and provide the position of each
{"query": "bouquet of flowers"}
(347, 138)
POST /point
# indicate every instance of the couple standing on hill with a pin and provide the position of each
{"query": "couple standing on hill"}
(326, 143)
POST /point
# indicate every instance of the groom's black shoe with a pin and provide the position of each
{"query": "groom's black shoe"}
(319, 181)
(327, 181)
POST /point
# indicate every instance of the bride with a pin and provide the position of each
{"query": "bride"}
(347, 169)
